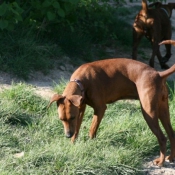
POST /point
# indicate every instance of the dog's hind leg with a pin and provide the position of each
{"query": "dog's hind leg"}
(152, 121)
(98, 115)
(149, 97)
(79, 121)
(165, 120)
(168, 35)
(161, 60)
(156, 52)
(155, 49)
(168, 53)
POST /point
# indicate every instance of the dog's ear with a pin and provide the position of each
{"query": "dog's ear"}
(75, 100)
(56, 97)
(144, 5)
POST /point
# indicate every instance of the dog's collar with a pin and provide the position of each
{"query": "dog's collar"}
(80, 86)
(166, 12)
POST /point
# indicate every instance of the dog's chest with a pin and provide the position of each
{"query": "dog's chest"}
(148, 33)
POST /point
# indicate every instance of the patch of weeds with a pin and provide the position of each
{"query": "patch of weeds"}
(24, 97)
(10, 141)
(22, 52)
(60, 86)
(171, 89)
(22, 119)
(112, 169)
(123, 11)
(42, 160)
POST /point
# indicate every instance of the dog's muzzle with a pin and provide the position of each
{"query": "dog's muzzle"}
(69, 134)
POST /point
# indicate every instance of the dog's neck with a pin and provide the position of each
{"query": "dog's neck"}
(78, 82)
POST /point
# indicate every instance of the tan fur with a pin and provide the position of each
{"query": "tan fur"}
(168, 42)
(155, 25)
(110, 80)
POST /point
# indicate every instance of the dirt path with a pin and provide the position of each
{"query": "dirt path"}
(150, 169)
(43, 84)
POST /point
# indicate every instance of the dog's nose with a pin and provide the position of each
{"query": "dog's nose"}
(69, 134)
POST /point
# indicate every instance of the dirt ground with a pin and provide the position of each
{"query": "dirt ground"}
(43, 85)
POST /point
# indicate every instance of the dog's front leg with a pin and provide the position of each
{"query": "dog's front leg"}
(136, 40)
(168, 53)
(79, 121)
(98, 115)
(168, 35)
(154, 53)
(161, 59)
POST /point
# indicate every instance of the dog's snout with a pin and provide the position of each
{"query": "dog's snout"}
(69, 134)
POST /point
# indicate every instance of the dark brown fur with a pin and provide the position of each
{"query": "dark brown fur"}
(155, 25)
(110, 80)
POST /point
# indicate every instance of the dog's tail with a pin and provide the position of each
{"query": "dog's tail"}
(168, 42)
(167, 72)
(171, 70)
(144, 5)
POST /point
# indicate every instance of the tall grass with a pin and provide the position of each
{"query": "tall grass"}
(22, 52)
(123, 142)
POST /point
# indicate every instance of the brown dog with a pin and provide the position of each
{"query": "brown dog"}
(155, 24)
(101, 82)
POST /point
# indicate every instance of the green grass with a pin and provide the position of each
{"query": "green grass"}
(123, 143)
(23, 52)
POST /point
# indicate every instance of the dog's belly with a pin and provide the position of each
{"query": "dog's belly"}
(123, 95)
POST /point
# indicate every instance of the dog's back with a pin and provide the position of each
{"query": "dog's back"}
(167, 8)
(114, 79)
(112, 68)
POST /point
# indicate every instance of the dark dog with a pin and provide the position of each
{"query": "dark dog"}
(101, 82)
(155, 24)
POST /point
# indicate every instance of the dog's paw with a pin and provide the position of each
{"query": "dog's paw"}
(170, 158)
(159, 162)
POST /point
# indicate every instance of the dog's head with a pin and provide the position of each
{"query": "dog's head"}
(68, 111)
(143, 21)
